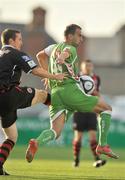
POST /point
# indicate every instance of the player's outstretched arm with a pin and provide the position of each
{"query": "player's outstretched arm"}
(39, 71)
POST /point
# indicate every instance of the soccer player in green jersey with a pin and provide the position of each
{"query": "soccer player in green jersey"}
(67, 96)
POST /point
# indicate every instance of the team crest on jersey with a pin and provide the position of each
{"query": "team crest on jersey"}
(26, 58)
(31, 63)
(29, 90)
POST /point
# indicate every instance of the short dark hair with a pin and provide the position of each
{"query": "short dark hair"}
(87, 61)
(8, 34)
(71, 29)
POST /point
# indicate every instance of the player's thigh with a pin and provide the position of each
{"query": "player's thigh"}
(27, 96)
(78, 135)
(77, 100)
(57, 107)
(11, 132)
(19, 97)
(55, 97)
(92, 135)
(39, 97)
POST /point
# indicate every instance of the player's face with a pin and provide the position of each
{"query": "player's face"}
(87, 68)
(77, 37)
(17, 43)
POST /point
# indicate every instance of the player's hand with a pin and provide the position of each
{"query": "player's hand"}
(63, 56)
(61, 76)
(60, 60)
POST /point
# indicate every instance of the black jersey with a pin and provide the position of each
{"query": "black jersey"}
(12, 63)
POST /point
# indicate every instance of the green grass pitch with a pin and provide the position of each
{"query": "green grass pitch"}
(52, 163)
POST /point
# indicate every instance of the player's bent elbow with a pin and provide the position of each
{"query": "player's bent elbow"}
(41, 55)
(38, 55)
(57, 136)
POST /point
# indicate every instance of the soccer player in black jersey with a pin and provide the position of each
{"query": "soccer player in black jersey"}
(87, 121)
(12, 95)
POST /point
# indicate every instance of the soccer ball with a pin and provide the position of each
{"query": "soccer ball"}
(87, 84)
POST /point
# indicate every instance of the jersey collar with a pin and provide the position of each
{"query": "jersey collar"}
(8, 46)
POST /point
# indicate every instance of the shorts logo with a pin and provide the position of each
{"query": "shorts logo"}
(29, 90)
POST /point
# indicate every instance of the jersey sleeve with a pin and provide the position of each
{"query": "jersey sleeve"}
(48, 50)
(25, 62)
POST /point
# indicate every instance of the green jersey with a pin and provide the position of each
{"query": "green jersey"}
(70, 66)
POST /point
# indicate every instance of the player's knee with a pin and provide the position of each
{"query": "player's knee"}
(78, 138)
(56, 132)
(48, 100)
(13, 137)
(57, 135)
(40, 96)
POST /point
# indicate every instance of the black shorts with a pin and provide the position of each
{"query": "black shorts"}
(10, 101)
(84, 121)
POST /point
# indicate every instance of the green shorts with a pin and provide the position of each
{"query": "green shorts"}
(70, 98)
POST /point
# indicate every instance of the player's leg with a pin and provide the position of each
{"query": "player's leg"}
(91, 127)
(41, 96)
(54, 132)
(47, 135)
(7, 145)
(105, 111)
(57, 115)
(27, 96)
(79, 125)
(85, 103)
(77, 147)
(91, 119)
(12, 100)
(2, 134)
(93, 144)
(20, 97)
